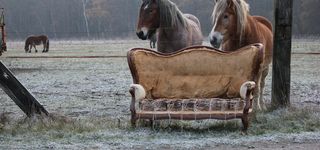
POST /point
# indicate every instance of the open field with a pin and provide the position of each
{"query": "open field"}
(84, 84)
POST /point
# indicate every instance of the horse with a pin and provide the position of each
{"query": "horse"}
(234, 27)
(153, 41)
(175, 29)
(32, 41)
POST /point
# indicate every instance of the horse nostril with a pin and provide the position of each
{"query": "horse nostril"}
(213, 41)
(140, 34)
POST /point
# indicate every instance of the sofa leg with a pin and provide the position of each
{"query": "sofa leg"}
(133, 121)
(151, 122)
(245, 122)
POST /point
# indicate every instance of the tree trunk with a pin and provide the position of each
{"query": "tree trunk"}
(84, 4)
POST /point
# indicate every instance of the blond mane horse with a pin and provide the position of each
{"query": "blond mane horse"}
(234, 27)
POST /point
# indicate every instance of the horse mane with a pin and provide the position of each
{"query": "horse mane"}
(170, 15)
(242, 11)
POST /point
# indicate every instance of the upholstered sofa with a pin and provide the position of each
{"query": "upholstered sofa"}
(194, 83)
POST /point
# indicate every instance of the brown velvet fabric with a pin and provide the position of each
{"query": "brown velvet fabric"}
(195, 72)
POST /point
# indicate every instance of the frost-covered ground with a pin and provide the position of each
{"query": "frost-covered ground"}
(93, 93)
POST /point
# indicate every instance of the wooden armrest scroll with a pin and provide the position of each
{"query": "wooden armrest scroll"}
(246, 91)
(138, 93)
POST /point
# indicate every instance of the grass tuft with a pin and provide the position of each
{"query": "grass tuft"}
(289, 120)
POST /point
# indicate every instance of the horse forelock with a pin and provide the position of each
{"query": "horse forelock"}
(145, 3)
(170, 15)
(218, 9)
(241, 10)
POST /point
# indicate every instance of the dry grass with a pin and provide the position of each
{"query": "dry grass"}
(291, 120)
(92, 95)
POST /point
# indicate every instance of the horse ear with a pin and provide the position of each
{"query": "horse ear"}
(144, 1)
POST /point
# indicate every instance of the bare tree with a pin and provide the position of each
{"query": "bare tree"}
(84, 4)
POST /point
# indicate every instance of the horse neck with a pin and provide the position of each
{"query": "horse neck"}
(252, 32)
(27, 43)
(172, 30)
(171, 39)
(260, 31)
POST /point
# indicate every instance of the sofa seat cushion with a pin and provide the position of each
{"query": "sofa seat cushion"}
(175, 105)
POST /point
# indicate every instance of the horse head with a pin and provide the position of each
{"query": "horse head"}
(149, 19)
(26, 46)
(229, 20)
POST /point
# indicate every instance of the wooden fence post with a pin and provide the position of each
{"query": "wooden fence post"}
(282, 53)
(19, 94)
(3, 44)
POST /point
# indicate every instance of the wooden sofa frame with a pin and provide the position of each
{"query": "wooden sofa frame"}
(194, 76)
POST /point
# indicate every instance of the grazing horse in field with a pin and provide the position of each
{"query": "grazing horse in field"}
(32, 41)
(234, 27)
(175, 29)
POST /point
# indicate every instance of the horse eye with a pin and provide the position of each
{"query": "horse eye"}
(225, 17)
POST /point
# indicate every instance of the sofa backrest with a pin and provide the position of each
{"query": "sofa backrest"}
(195, 72)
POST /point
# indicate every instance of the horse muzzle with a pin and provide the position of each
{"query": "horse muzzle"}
(141, 35)
(214, 42)
(216, 39)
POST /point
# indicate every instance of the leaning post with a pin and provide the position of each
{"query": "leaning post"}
(19, 94)
(3, 45)
(282, 53)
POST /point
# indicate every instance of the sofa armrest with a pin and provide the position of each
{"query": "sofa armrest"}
(246, 91)
(137, 93)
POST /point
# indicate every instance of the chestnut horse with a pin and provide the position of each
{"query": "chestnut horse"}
(175, 29)
(32, 41)
(234, 27)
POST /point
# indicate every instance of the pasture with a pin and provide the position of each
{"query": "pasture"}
(84, 84)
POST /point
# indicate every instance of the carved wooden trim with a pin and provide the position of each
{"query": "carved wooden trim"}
(256, 67)
(132, 107)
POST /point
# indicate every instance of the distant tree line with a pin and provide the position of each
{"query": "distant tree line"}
(107, 19)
